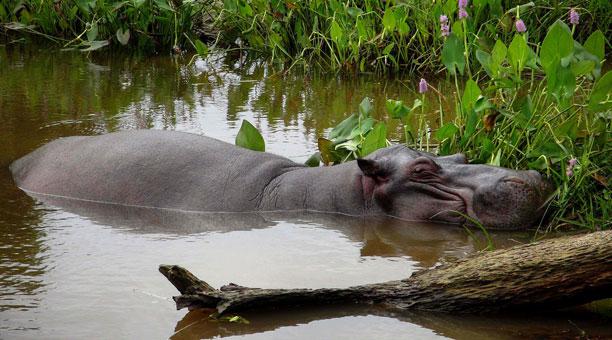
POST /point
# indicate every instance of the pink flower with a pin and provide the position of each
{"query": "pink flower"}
(574, 17)
(422, 86)
(520, 26)
(463, 3)
(569, 171)
(445, 29)
(462, 13)
(443, 19)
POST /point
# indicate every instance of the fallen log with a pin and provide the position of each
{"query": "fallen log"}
(554, 273)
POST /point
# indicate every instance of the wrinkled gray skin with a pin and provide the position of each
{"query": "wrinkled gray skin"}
(176, 170)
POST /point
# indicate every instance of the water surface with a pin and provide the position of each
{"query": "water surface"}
(71, 269)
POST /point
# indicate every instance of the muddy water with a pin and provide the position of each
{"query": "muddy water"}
(71, 269)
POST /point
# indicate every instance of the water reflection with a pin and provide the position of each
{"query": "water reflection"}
(22, 248)
(357, 322)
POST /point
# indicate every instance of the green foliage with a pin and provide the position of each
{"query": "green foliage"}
(93, 24)
(249, 137)
(354, 137)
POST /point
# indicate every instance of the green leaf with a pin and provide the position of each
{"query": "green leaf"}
(344, 128)
(518, 53)
(354, 11)
(397, 109)
(201, 48)
(92, 33)
(583, 67)
(471, 93)
(482, 103)
(495, 160)
(569, 129)
(375, 139)
(498, 55)
(326, 148)
(484, 59)
(452, 54)
(365, 107)
(163, 4)
(557, 44)
(447, 131)
(335, 31)
(596, 44)
(403, 28)
(123, 36)
(249, 137)
(601, 95)
(314, 160)
(388, 49)
(389, 20)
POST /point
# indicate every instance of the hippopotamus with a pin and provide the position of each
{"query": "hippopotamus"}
(189, 172)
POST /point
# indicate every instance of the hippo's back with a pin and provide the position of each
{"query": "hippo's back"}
(151, 168)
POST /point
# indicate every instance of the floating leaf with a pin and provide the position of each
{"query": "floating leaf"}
(249, 137)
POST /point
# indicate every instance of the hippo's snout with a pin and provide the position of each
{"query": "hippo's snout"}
(514, 201)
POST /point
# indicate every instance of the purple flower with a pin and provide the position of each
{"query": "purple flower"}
(463, 3)
(462, 13)
(520, 26)
(445, 29)
(574, 17)
(569, 171)
(443, 19)
(422, 86)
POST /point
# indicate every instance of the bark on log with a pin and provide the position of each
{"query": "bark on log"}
(553, 273)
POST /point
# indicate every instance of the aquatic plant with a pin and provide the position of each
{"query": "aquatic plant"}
(93, 24)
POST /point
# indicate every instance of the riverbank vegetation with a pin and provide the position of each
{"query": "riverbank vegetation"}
(531, 91)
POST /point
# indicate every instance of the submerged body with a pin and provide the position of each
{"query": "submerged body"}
(175, 170)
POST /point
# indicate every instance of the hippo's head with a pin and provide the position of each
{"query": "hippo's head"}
(414, 185)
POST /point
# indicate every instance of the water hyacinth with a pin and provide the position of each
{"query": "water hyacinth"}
(443, 19)
(463, 3)
(423, 86)
(574, 17)
(520, 26)
(462, 13)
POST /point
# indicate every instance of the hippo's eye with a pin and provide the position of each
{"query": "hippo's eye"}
(423, 167)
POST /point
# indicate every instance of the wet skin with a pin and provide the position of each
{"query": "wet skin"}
(176, 170)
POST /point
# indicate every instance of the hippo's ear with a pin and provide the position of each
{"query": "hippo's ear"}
(371, 168)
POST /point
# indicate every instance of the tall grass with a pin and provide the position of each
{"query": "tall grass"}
(377, 35)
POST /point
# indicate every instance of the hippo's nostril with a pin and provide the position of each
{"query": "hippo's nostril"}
(513, 180)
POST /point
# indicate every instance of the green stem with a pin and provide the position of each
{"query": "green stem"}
(466, 52)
